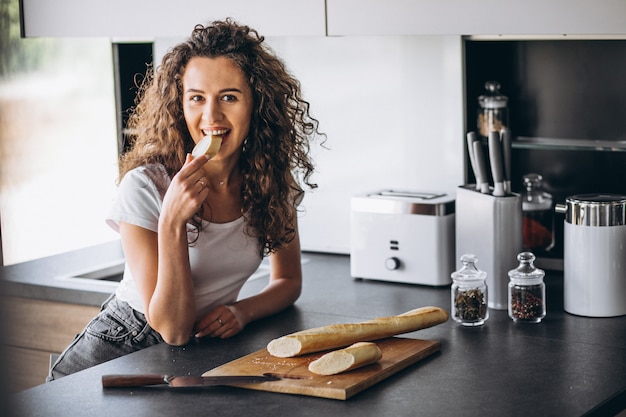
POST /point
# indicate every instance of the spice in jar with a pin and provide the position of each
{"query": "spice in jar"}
(469, 293)
(470, 305)
(527, 302)
(527, 291)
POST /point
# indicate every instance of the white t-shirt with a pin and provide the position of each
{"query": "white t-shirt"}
(222, 258)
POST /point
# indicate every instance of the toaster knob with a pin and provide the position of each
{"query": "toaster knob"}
(392, 263)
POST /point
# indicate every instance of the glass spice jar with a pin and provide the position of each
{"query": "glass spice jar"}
(537, 215)
(527, 291)
(469, 293)
(493, 113)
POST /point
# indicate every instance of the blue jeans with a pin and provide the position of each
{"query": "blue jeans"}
(116, 331)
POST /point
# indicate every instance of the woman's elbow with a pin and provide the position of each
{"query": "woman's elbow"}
(296, 291)
(175, 339)
(172, 335)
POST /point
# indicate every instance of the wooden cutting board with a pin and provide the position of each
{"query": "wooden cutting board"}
(398, 353)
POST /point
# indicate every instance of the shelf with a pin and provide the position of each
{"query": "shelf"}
(522, 142)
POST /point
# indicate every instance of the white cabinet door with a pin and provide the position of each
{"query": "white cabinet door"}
(476, 17)
(148, 19)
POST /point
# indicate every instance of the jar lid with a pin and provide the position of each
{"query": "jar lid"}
(532, 181)
(596, 210)
(468, 271)
(526, 269)
(492, 99)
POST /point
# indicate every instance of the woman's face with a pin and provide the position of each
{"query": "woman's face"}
(217, 100)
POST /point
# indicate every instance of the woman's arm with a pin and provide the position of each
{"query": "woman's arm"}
(283, 289)
(159, 261)
(168, 302)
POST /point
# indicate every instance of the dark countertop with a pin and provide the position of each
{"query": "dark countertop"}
(564, 366)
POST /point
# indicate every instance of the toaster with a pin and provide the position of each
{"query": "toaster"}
(403, 236)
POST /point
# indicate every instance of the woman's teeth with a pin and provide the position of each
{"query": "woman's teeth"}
(219, 132)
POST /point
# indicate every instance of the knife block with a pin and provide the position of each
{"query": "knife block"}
(491, 228)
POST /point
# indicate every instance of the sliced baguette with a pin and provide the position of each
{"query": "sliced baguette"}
(340, 335)
(209, 145)
(347, 359)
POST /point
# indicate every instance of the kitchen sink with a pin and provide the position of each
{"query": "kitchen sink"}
(113, 272)
(106, 275)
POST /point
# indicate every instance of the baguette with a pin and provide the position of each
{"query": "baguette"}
(340, 335)
(209, 145)
(352, 357)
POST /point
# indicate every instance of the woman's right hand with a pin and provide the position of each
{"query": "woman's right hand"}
(187, 191)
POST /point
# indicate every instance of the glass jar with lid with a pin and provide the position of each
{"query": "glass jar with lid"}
(493, 111)
(537, 215)
(469, 293)
(527, 291)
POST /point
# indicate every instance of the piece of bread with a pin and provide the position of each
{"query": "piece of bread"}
(340, 335)
(209, 145)
(347, 359)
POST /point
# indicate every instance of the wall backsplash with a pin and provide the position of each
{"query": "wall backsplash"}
(392, 107)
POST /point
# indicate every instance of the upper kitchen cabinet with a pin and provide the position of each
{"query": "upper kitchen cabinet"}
(148, 19)
(476, 17)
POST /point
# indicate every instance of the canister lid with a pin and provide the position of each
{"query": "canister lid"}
(596, 210)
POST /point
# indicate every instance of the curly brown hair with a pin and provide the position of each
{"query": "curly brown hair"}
(275, 163)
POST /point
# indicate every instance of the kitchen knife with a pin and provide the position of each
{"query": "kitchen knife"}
(482, 168)
(141, 380)
(505, 137)
(471, 138)
(495, 160)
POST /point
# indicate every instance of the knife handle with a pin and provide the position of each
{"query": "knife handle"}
(138, 380)
(505, 136)
(497, 168)
(471, 138)
(482, 167)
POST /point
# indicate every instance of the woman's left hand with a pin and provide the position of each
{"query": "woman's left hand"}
(222, 322)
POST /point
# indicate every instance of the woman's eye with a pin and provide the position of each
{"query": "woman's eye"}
(229, 97)
(196, 98)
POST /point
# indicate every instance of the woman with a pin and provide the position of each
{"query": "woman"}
(193, 229)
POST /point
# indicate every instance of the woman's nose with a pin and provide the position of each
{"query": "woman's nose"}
(211, 111)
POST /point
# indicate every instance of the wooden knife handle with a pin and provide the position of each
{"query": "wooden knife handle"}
(138, 380)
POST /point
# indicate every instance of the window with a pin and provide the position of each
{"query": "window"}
(58, 142)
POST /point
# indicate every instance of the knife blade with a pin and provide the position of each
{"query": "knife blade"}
(495, 160)
(482, 168)
(175, 381)
(505, 137)
(471, 138)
